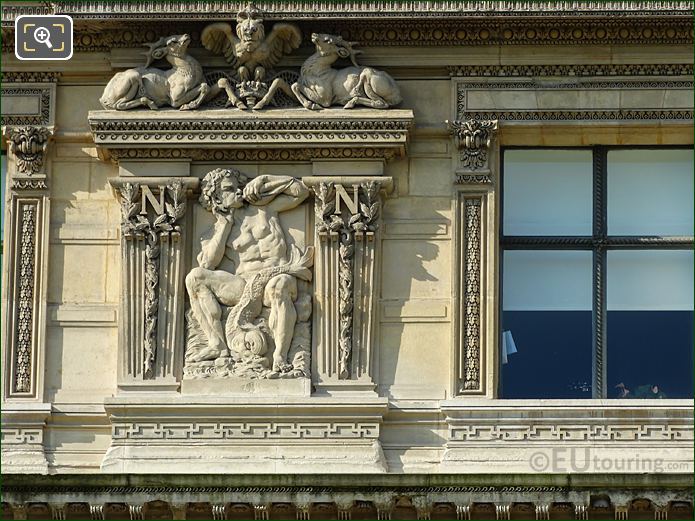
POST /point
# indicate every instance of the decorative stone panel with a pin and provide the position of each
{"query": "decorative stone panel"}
(153, 214)
(347, 236)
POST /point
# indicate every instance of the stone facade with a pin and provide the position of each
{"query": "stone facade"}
(284, 291)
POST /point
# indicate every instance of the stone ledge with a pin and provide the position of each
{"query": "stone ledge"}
(267, 135)
(244, 434)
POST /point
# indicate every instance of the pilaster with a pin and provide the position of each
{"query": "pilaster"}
(24, 285)
(348, 246)
(153, 238)
(476, 167)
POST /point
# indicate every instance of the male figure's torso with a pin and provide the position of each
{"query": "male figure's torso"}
(256, 241)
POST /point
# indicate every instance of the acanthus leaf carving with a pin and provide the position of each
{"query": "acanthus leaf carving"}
(473, 140)
(28, 144)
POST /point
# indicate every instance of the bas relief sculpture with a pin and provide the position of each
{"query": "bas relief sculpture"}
(252, 53)
(250, 299)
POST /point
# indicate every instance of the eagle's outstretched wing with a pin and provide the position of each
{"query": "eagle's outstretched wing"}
(283, 39)
(219, 38)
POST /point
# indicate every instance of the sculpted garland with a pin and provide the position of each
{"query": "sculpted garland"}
(253, 54)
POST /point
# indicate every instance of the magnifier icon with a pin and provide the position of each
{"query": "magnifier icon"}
(43, 35)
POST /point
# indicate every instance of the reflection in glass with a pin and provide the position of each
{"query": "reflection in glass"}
(650, 192)
(547, 192)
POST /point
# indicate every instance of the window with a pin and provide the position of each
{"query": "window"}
(597, 273)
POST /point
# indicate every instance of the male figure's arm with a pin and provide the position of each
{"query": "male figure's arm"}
(279, 192)
(212, 248)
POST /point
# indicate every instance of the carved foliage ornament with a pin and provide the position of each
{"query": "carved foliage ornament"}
(362, 221)
(473, 139)
(25, 304)
(29, 144)
(134, 225)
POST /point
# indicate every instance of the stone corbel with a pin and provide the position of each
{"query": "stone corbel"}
(347, 227)
(475, 141)
(153, 215)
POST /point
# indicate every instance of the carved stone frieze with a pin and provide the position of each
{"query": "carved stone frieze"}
(473, 140)
(575, 70)
(294, 134)
(29, 184)
(517, 23)
(29, 77)
(249, 319)
(29, 144)
(326, 9)
(254, 154)
(22, 438)
(244, 430)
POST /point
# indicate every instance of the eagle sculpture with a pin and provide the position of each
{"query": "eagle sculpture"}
(251, 52)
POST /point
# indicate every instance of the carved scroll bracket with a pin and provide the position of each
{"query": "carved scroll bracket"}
(153, 212)
(474, 141)
(347, 224)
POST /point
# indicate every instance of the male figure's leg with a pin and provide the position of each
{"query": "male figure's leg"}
(280, 294)
(207, 289)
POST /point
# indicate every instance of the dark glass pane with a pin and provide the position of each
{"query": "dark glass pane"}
(647, 348)
(553, 358)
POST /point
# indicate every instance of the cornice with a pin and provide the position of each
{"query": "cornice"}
(290, 134)
(327, 9)
(106, 33)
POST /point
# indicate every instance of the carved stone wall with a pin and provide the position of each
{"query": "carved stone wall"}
(403, 215)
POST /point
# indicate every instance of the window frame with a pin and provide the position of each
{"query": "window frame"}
(599, 243)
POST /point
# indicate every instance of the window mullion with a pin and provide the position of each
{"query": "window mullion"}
(598, 311)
